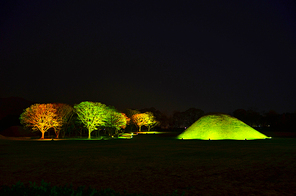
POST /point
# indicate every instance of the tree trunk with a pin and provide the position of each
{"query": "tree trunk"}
(89, 134)
(57, 134)
(140, 128)
(42, 137)
(63, 133)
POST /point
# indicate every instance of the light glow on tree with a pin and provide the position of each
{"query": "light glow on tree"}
(220, 127)
(140, 120)
(127, 120)
(144, 119)
(92, 115)
(151, 121)
(115, 121)
(129, 113)
(41, 117)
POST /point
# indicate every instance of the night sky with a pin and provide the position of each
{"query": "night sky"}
(217, 56)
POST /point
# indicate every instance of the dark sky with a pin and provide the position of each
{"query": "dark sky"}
(217, 56)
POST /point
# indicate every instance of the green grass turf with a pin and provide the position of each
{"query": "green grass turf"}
(155, 164)
(220, 127)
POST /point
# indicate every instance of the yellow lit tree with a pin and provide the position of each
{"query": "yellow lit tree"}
(40, 117)
(151, 121)
(91, 114)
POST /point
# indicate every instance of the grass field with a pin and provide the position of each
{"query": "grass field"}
(155, 164)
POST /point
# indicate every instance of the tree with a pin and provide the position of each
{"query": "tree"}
(115, 121)
(192, 115)
(76, 126)
(41, 117)
(129, 113)
(140, 120)
(160, 117)
(151, 121)
(187, 118)
(65, 113)
(272, 119)
(127, 119)
(91, 114)
(177, 120)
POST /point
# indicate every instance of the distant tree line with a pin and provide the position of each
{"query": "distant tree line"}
(272, 120)
(84, 117)
(147, 119)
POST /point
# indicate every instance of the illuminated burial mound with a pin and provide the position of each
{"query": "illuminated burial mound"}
(220, 127)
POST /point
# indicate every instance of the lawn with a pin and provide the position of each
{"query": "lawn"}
(155, 164)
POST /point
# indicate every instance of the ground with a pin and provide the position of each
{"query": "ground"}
(155, 164)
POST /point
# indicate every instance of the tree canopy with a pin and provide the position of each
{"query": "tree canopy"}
(144, 119)
(152, 122)
(41, 117)
(92, 115)
(64, 112)
(115, 121)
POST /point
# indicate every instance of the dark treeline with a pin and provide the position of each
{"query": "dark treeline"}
(11, 108)
(274, 121)
(270, 120)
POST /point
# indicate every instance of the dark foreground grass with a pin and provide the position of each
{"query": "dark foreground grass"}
(46, 189)
(155, 164)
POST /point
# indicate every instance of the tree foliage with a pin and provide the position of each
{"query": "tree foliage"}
(115, 121)
(140, 120)
(65, 113)
(91, 114)
(41, 117)
(145, 119)
(187, 118)
(161, 118)
(152, 122)
(129, 113)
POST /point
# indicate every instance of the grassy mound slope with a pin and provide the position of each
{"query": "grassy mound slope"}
(220, 127)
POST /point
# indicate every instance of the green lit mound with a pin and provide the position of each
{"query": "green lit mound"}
(220, 127)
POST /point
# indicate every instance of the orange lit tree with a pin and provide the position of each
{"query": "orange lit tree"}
(127, 120)
(64, 113)
(40, 117)
(91, 114)
(140, 120)
(129, 113)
